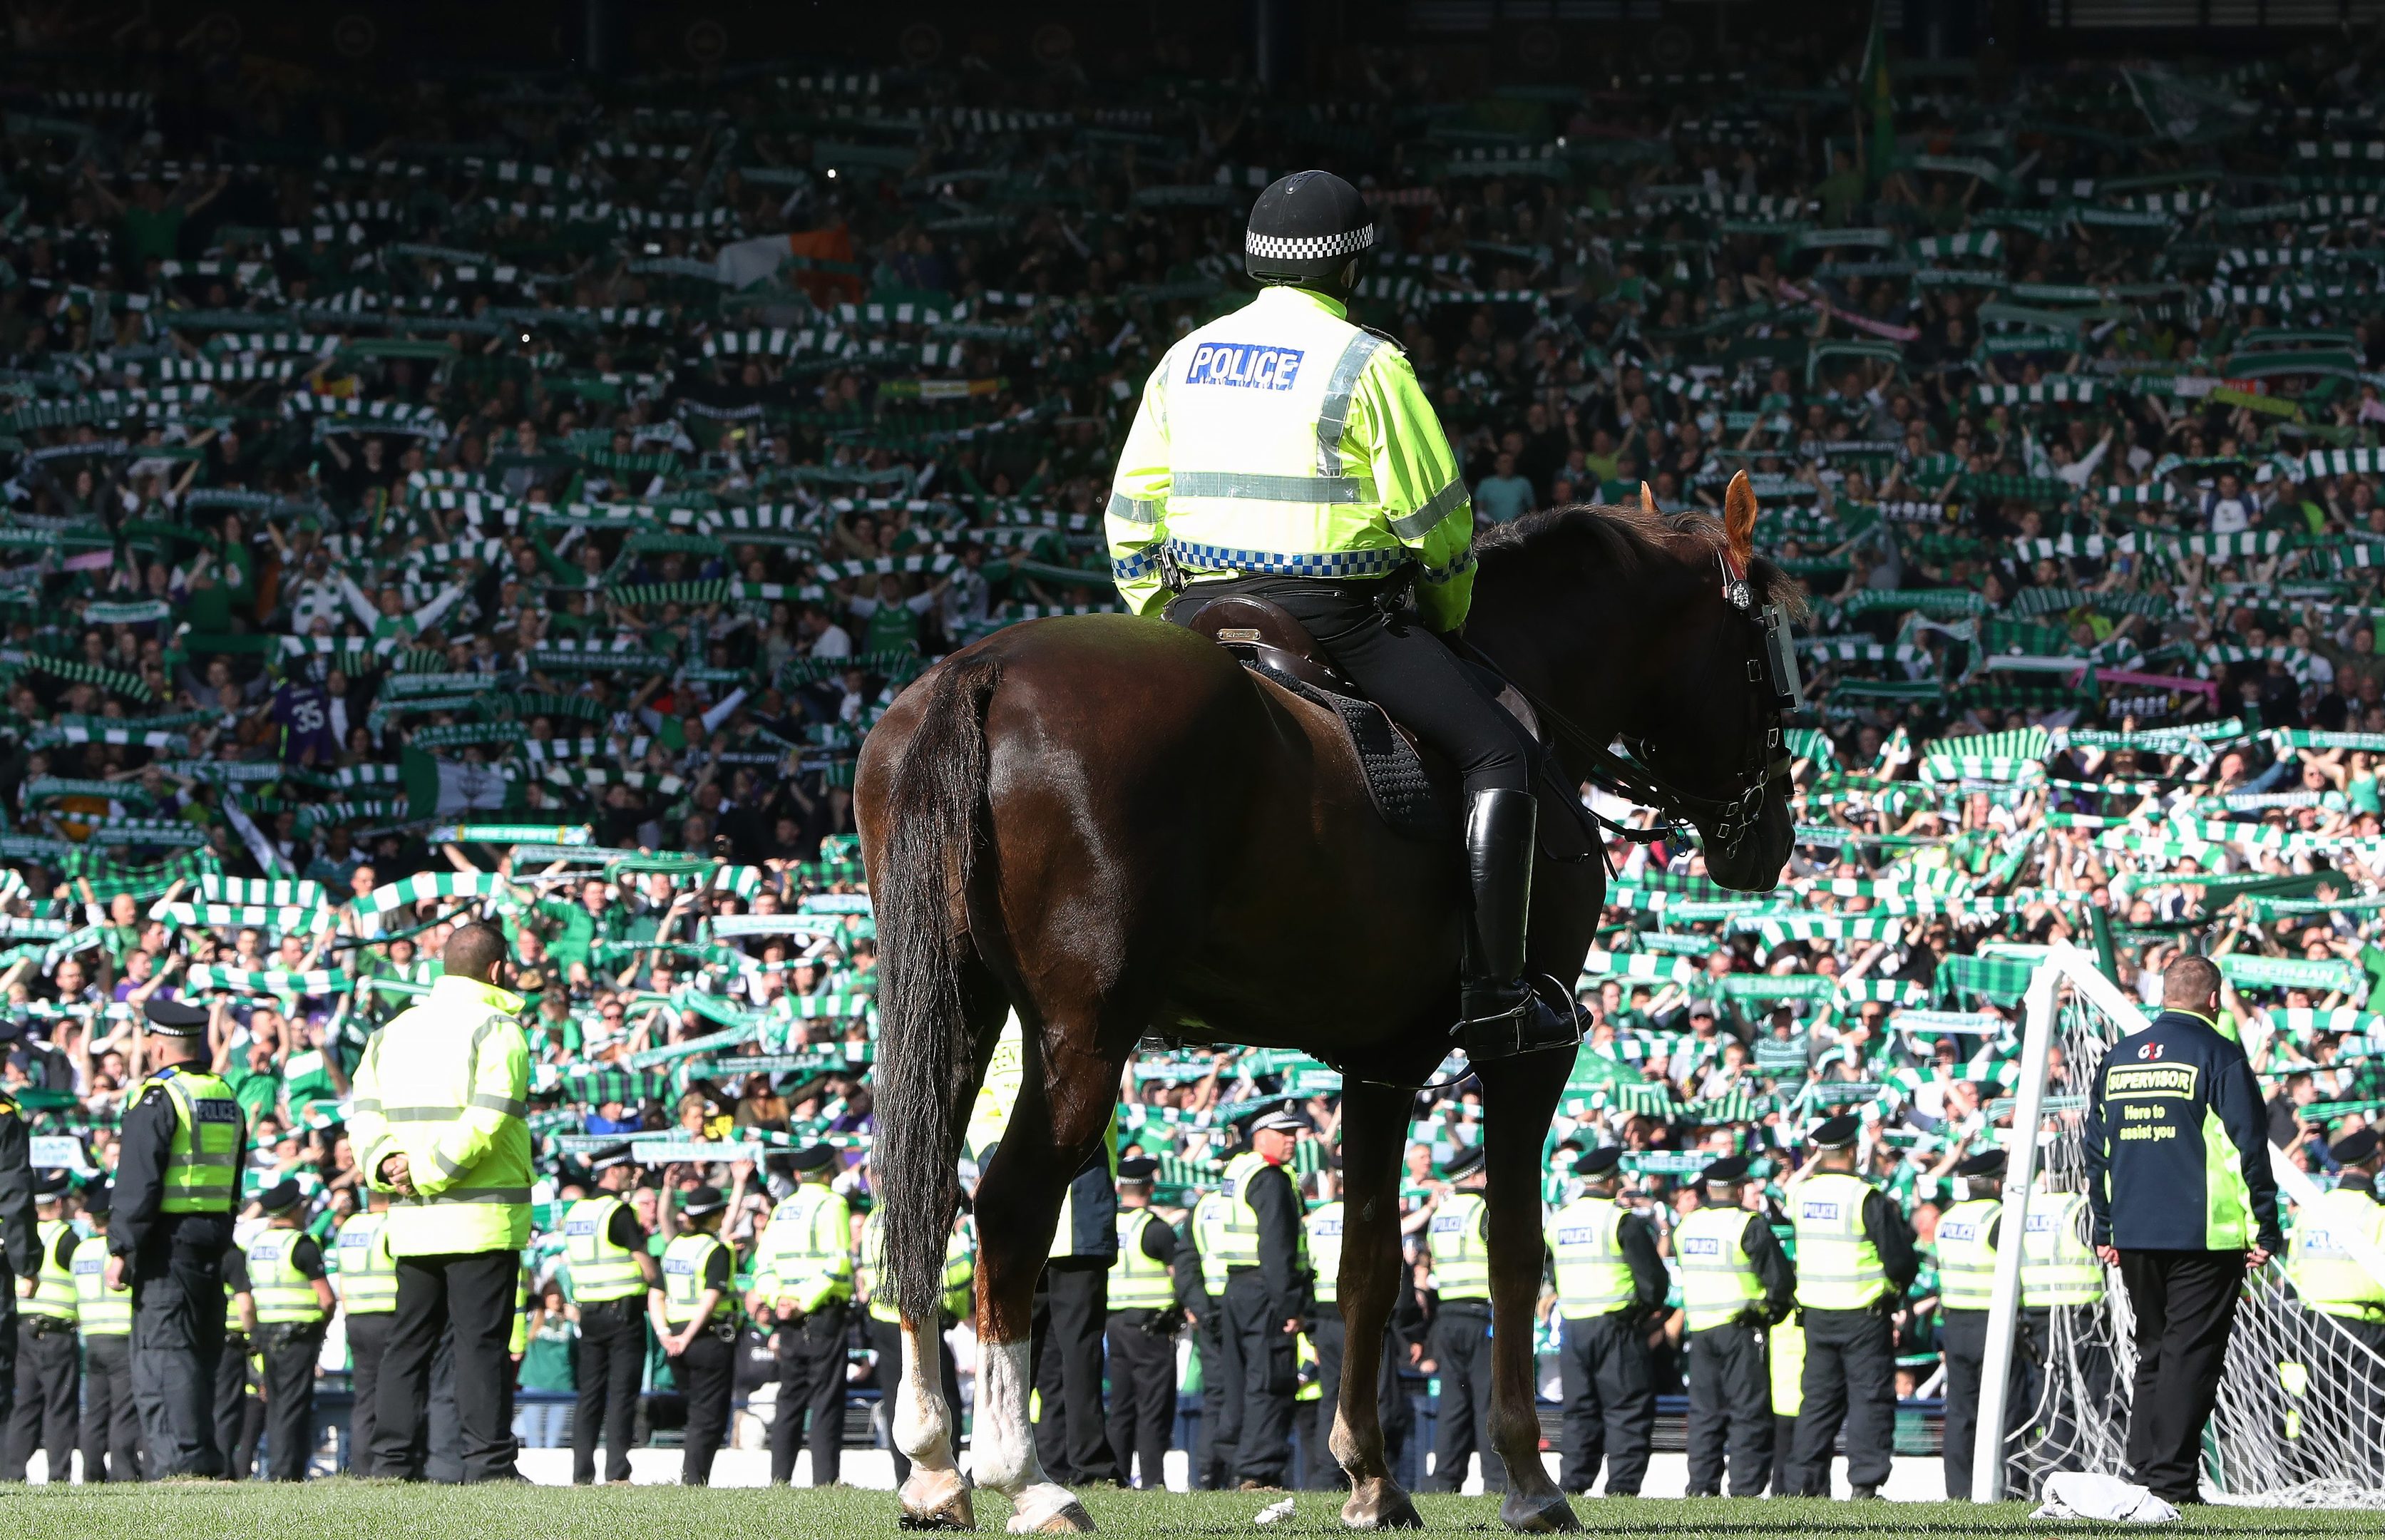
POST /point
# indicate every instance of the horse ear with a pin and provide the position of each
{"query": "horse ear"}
(1739, 520)
(1647, 499)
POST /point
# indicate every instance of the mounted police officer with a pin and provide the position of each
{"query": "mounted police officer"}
(1736, 1282)
(1610, 1281)
(1285, 454)
(178, 1167)
(1969, 1234)
(1855, 1257)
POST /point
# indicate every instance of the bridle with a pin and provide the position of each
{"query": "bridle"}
(1770, 659)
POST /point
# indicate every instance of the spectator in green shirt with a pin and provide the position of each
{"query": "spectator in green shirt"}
(153, 220)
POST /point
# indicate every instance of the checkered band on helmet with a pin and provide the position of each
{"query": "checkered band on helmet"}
(1308, 248)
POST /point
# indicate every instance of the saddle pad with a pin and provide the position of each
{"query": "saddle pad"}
(1403, 794)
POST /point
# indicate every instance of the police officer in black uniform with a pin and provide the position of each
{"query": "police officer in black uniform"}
(1604, 1367)
(111, 1428)
(1963, 1329)
(1730, 1388)
(1264, 1308)
(171, 1251)
(1850, 1352)
(21, 1251)
(49, 1371)
(1143, 1337)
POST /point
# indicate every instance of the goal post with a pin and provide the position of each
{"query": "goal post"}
(2291, 1425)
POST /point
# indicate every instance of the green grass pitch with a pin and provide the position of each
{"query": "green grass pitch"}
(380, 1511)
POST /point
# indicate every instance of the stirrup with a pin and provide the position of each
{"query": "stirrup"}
(1533, 1024)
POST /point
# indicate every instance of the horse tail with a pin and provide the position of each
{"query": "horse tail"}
(925, 1059)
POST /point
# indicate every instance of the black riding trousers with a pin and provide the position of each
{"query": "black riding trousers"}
(1402, 667)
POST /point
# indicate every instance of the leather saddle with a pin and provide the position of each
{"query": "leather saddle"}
(1414, 789)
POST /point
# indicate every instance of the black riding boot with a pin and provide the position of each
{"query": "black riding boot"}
(1501, 1013)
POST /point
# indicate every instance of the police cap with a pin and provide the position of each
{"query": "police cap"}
(1305, 226)
(609, 1156)
(1138, 1168)
(1980, 1166)
(175, 1017)
(811, 1157)
(1835, 1133)
(700, 1201)
(1467, 1160)
(1599, 1162)
(1725, 1172)
(50, 1185)
(98, 1199)
(280, 1197)
(2354, 1149)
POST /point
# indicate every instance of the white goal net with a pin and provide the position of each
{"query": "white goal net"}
(2292, 1424)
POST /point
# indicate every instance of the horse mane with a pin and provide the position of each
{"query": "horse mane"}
(1629, 539)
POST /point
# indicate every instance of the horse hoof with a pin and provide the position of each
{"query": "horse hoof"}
(1388, 1510)
(937, 1499)
(1071, 1518)
(1531, 1516)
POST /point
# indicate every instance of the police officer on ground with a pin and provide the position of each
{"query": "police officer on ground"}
(294, 1301)
(1459, 1241)
(1266, 1297)
(1284, 453)
(178, 1165)
(1201, 1286)
(2331, 1276)
(1142, 1326)
(1855, 1257)
(19, 1239)
(2183, 1201)
(695, 1320)
(439, 1123)
(49, 1372)
(368, 1290)
(1969, 1236)
(1735, 1283)
(240, 1416)
(111, 1428)
(612, 1277)
(1326, 1331)
(2062, 1285)
(1610, 1281)
(1067, 1317)
(805, 1280)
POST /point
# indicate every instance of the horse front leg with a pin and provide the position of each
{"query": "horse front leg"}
(1374, 1125)
(1518, 1097)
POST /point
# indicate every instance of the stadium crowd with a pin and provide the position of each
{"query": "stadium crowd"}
(505, 497)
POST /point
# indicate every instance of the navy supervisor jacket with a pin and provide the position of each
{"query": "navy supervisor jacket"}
(2178, 1149)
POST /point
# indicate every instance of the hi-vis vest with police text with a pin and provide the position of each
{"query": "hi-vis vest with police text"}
(1324, 1227)
(1718, 1283)
(1967, 1263)
(1838, 1266)
(1461, 1253)
(1592, 1277)
(1136, 1282)
(1282, 439)
(2057, 1266)
(102, 1311)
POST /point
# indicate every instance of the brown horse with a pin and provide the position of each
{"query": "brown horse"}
(1108, 826)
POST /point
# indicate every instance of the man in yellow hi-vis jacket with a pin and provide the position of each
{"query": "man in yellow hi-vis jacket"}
(1283, 453)
(438, 1120)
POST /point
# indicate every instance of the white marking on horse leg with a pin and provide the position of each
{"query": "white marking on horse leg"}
(923, 1431)
(1004, 1448)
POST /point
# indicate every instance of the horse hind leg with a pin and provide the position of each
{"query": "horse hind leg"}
(936, 1495)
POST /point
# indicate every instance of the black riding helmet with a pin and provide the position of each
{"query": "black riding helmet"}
(1304, 227)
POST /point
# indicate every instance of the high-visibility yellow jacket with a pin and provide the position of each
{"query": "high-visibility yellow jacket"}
(445, 1084)
(1283, 439)
(2320, 1260)
(807, 1252)
(368, 1274)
